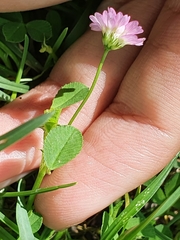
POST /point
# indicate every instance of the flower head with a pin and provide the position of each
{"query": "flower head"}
(117, 29)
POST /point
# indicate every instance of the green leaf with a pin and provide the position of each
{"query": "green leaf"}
(69, 94)
(132, 222)
(39, 30)
(25, 230)
(149, 231)
(36, 221)
(172, 184)
(61, 145)
(14, 32)
(53, 17)
(162, 232)
(23, 130)
(52, 122)
(159, 196)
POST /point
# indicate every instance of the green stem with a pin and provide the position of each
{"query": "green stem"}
(106, 51)
(21, 67)
(42, 172)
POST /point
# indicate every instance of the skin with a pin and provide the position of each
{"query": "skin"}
(23, 5)
(130, 124)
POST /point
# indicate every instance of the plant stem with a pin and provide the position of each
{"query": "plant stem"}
(43, 169)
(106, 51)
(42, 172)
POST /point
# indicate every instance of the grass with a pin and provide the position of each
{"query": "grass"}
(30, 44)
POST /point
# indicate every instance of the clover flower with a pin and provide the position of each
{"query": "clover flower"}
(117, 29)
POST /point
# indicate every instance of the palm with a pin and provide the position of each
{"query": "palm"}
(130, 133)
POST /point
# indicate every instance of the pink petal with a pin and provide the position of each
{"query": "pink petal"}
(124, 20)
(116, 27)
(133, 40)
(111, 12)
(95, 27)
(133, 28)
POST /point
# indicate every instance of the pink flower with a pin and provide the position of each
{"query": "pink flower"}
(117, 29)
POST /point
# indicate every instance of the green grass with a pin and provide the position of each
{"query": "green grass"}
(27, 55)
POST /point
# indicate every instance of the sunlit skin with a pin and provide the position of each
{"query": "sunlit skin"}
(23, 5)
(130, 123)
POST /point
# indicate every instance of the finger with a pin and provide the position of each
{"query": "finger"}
(75, 65)
(22, 5)
(158, 88)
(84, 64)
(115, 157)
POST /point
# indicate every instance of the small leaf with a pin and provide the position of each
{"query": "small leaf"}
(39, 30)
(53, 17)
(36, 221)
(14, 32)
(61, 145)
(69, 94)
(52, 122)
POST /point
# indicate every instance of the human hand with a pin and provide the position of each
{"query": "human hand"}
(130, 134)
(22, 5)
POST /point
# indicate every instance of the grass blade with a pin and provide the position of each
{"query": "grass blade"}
(138, 202)
(131, 234)
(36, 191)
(4, 235)
(8, 223)
(23, 130)
(12, 86)
(25, 230)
